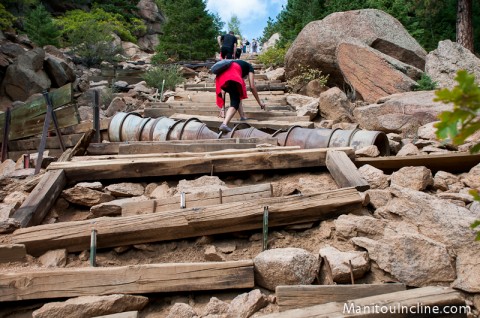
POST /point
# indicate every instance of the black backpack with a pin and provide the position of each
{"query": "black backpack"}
(220, 67)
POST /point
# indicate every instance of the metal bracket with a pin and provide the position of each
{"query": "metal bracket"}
(183, 203)
(93, 248)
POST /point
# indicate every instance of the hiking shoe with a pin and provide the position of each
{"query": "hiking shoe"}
(224, 128)
(244, 118)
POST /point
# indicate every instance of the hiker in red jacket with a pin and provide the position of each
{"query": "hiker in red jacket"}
(232, 81)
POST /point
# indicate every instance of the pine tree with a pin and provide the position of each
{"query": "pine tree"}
(189, 33)
(41, 28)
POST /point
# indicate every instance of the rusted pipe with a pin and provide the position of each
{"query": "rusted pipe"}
(132, 127)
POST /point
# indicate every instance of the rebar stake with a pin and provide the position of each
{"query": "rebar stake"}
(265, 228)
(93, 248)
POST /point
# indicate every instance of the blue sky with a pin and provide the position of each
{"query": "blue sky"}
(253, 14)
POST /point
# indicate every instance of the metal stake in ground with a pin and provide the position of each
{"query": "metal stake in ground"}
(6, 131)
(96, 115)
(93, 248)
(54, 117)
(265, 228)
(43, 141)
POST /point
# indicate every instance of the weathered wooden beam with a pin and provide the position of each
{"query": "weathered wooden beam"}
(12, 253)
(80, 148)
(15, 155)
(188, 154)
(83, 127)
(407, 303)
(183, 223)
(52, 143)
(451, 162)
(34, 109)
(253, 115)
(298, 296)
(41, 199)
(111, 148)
(133, 279)
(259, 87)
(271, 124)
(344, 171)
(151, 167)
(193, 200)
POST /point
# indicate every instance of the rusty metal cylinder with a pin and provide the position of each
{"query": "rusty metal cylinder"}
(132, 127)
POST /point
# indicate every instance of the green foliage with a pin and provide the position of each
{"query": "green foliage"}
(41, 28)
(306, 75)
(234, 25)
(425, 83)
(128, 11)
(6, 19)
(270, 29)
(218, 23)
(428, 21)
(170, 73)
(274, 56)
(78, 19)
(464, 120)
(189, 33)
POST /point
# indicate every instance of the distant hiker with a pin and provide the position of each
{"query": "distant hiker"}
(238, 51)
(254, 46)
(245, 45)
(228, 45)
(232, 81)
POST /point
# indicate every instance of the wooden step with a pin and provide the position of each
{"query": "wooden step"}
(185, 223)
(150, 167)
(132, 279)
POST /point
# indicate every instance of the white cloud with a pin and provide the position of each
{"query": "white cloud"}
(246, 10)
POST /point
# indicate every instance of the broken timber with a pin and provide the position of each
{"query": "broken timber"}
(184, 223)
(344, 171)
(133, 279)
(451, 162)
(145, 167)
(211, 121)
(41, 199)
(402, 301)
(199, 200)
(290, 297)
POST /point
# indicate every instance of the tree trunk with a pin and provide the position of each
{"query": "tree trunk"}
(464, 24)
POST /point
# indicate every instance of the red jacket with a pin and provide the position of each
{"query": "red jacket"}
(233, 73)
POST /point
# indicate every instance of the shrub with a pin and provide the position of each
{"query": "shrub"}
(274, 56)
(306, 75)
(170, 73)
(41, 28)
(78, 19)
(6, 19)
(425, 83)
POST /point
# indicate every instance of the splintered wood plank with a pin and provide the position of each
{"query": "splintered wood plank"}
(451, 162)
(198, 200)
(184, 223)
(41, 199)
(12, 253)
(34, 109)
(412, 299)
(133, 279)
(344, 171)
(151, 167)
(271, 124)
(290, 297)
(85, 126)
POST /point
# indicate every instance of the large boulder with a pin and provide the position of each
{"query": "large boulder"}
(413, 259)
(26, 76)
(316, 44)
(285, 266)
(400, 113)
(443, 63)
(334, 105)
(271, 41)
(373, 74)
(153, 18)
